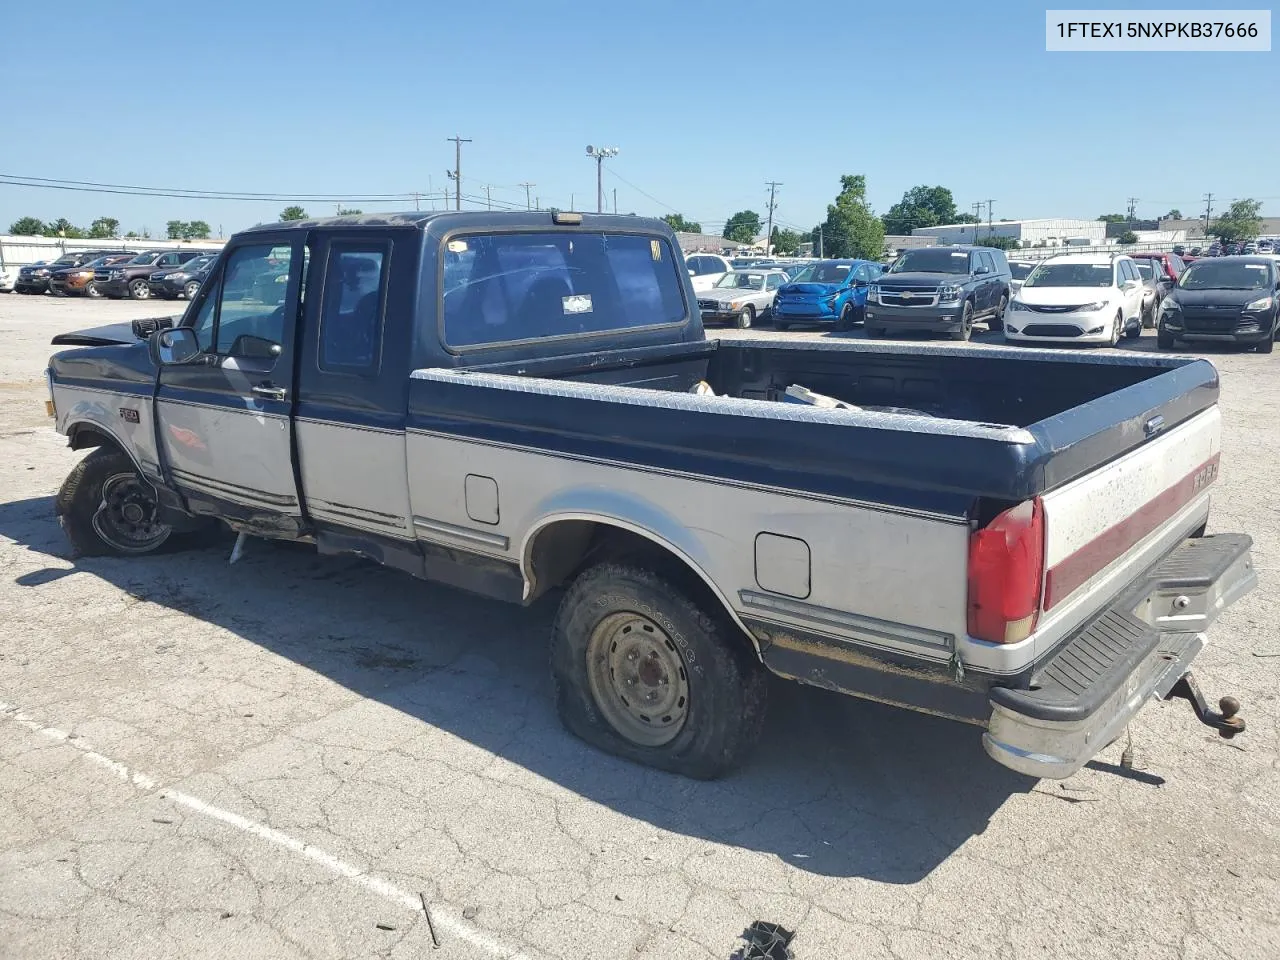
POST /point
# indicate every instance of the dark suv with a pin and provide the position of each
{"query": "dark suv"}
(940, 290)
(129, 279)
(35, 278)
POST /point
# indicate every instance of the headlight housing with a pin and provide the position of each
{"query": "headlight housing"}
(1261, 304)
(117, 274)
(42, 272)
(873, 293)
(1094, 307)
(950, 292)
(1019, 307)
(1169, 306)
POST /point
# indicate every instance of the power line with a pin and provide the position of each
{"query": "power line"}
(667, 206)
(193, 193)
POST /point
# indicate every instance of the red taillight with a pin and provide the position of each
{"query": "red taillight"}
(1006, 572)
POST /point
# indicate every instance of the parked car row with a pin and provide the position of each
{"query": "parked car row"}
(118, 274)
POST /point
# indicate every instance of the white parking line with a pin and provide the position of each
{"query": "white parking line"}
(445, 922)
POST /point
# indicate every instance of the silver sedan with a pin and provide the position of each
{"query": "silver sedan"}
(741, 296)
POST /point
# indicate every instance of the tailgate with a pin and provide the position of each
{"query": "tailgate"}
(1106, 528)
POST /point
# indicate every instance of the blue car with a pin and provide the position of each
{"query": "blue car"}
(829, 291)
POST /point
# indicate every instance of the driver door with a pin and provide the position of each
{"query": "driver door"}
(225, 420)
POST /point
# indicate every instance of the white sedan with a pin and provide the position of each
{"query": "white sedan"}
(1077, 298)
(706, 269)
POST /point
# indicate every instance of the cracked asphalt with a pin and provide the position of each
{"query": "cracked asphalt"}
(289, 757)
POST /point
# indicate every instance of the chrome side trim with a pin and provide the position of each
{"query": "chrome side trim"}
(463, 534)
(344, 425)
(235, 491)
(348, 511)
(868, 632)
(703, 478)
(246, 410)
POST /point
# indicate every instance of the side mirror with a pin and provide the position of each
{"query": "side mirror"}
(857, 284)
(255, 348)
(691, 273)
(174, 347)
(979, 271)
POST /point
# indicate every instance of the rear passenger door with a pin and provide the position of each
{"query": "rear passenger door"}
(984, 298)
(353, 377)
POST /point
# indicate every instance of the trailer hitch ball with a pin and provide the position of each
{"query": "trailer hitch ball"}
(1225, 719)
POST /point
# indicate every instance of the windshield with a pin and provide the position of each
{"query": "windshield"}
(824, 273)
(199, 263)
(1070, 275)
(1210, 275)
(741, 281)
(1019, 271)
(932, 261)
(1146, 269)
(142, 259)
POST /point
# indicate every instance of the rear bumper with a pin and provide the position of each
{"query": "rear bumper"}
(1082, 698)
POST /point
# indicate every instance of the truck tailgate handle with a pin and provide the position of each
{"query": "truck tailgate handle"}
(270, 392)
(1153, 426)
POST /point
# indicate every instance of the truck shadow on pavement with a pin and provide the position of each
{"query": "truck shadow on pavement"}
(839, 787)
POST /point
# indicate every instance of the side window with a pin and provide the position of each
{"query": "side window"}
(355, 284)
(205, 317)
(252, 300)
(168, 260)
(863, 272)
(1177, 264)
(699, 266)
(774, 282)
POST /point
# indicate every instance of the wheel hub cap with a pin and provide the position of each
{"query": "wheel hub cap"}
(127, 518)
(637, 679)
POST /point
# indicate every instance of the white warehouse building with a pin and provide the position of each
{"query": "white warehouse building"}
(1028, 233)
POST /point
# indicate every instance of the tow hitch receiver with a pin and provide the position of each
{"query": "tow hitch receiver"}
(1226, 722)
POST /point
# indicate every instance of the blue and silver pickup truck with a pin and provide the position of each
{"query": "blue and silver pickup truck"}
(522, 403)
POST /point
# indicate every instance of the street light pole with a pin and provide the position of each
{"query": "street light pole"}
(599, 154)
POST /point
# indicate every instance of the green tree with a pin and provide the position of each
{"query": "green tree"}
(785, 242)
(348, 211)
(195, 230)
(921, 207)
(851, 229)
(131, 235)
(28, 227)
(1243, 221)
(62, 227)
(174, 228)
(292, 213)
(1000, 243)
(678, 223)
(1113, 218)
(1127, 237)
(104, 228)
(1174, 214)
(742, 227)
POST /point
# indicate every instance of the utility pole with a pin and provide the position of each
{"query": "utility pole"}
(599, 155)
(977, 214)
(1133, 203)
(526, 194)
(488, 196)
(615, 201)
(573, 201)
(415, 201)
(819, 241)
(457, 169)
(773, 186)
(989, 203)
(1208, 211)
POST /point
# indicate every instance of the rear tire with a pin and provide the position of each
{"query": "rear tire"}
(626, 640)
(996, 323)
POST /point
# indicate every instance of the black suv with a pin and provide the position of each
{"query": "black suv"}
(183, 281)
(130, 279)
(35, 278)
(940, 290)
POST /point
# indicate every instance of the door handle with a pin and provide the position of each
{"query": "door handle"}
(270, 392)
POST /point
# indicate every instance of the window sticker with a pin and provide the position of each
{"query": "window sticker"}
(457, 246)
(578, 303)
(655, 251)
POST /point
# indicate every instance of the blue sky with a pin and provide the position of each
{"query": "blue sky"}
(706, 102)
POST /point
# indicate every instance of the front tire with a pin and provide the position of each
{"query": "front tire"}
(781, 324)
(746, 318)
(845, 320)
(1164, 339)
(107, 509)
(1116, 329)
(642, 672)
(1265, 346)
(91, 291)
(139, 290)
(191, 289)
(966, 323)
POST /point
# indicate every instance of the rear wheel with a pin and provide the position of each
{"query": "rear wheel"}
(996, 323)
(746, 318)
(139, 289)
(641, 671)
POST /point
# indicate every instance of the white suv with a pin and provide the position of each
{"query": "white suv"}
(706, 269)
(1077, 298)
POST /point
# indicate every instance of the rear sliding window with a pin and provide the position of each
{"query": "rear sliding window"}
(500, 288)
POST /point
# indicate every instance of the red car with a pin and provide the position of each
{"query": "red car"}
(1171, 264)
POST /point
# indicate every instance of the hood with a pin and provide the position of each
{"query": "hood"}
(810, 289)
(1064, 296)
(1218, 298)
(922, 280)
(726, 295)
(112, 333)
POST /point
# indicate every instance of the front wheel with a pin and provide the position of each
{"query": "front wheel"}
(966, 323)
(91, 291)
(781, 324)
(106, 509)
(643, 672)
(845, 320)
(140, 290)
(746, 318)
(1164, 339)
(191, 289)
(875, 333)
(1265, 346)
(1117, 328)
